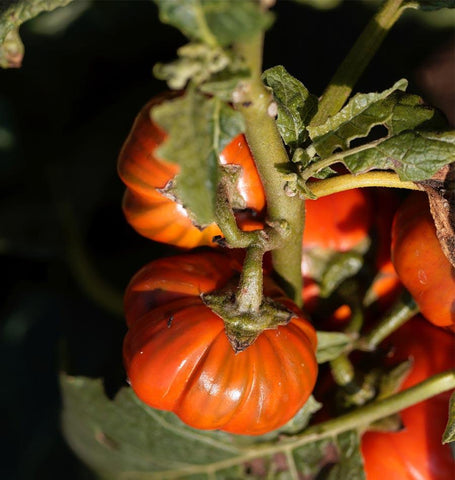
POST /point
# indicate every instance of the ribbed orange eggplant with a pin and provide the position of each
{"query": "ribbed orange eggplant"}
(158, 217)
(178, 357)
(420, 262)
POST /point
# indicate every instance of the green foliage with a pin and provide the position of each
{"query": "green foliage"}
(413, 155)
(12, 16)
(340, 457)
(331, 345)
(215, 70)
(449, 433)
(296, 105)
(199, 128)
(124, 438)
(213, 22)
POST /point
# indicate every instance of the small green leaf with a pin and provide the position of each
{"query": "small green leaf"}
(331, 345)
(391, 381)
(301, 418)
(201, 64)
(433, 4)
(393, 108)
(12, 16)
(413, 155)
(198, 130)
(342, 266)
(449, 432)
(215, 22)
(295, 105)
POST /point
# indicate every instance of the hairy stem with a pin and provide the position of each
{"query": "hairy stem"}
(253, 101)
(347, 182)
(360, 55)
(249, 294)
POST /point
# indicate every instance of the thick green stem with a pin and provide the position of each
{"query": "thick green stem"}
(403, 310)
(249, 294)
(347, 182)
(360, 55)
(253, 101)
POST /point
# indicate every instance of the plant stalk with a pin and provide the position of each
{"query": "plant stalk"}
(249, 294)
(403, 310)
(360, 55)
(253, 101)
(341, 183)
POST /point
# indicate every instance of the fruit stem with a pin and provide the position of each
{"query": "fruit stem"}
(354, 64)
(403, 310)
(249, 294)
(253, 100)
(341, 183)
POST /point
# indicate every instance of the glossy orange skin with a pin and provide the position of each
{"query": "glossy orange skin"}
(335, 223)
(156, 216)
(420, 262)
(416, 452)
(178, 358)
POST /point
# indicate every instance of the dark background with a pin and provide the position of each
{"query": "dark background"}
(63, 118)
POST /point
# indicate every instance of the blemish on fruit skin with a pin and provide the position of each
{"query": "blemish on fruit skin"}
(422, 276)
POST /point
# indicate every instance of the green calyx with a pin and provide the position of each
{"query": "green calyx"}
(244, 327)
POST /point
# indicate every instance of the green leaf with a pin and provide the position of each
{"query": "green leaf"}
(449, 432)
(331, 345)
(341, 266)
(198, 130)
(350, 463)
(201, 63)
(296, 105)
(125, 439)
(12, 16)
(120, 436)
(215, 22)
(433, 4)
(413, 155)
(340, 456)
(393, 108)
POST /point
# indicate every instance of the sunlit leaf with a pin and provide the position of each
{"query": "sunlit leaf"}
(198, 130)
(295, 105)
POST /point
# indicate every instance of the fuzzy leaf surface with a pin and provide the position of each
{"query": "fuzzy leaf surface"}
(393, 109)
(198, 130)
(12, 16)
(295, 105)
(215, 22)
(340, 458)
(215, 68)
(414, 155)
(122, 438)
